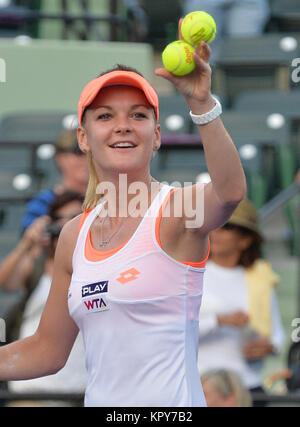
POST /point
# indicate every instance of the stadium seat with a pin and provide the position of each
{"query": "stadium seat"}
(35, 127)
(259, 128)
(253, 160)
(13, 18)
(174, 115)
(163, 21)
(268, 100)
(275, 102)
(35, 133)
(10, 229)
(285, 16)
(255, 63)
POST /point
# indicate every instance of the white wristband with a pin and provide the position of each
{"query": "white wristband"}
(202, 119)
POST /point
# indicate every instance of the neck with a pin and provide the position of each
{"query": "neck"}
(127, 195)
(228, 261)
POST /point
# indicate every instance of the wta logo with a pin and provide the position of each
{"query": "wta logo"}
(96, 304)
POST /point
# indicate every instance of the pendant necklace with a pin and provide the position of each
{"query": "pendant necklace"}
(105, 241)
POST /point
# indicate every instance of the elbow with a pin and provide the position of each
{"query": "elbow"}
(53, 359)
(238, 195)
(235, 194)
(238, 191)
(58, 366)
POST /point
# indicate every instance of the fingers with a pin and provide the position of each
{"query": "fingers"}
(162, 72)
(203, 51)
(179, 29)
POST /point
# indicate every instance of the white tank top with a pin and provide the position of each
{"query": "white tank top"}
(138, 314)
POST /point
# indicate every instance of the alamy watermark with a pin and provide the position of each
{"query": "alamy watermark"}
(296, 72)
(188, 201)
(295, 336)
(2, 71)
(2, 330)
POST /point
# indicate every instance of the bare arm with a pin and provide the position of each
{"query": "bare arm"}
(17, 266)
(47, 351)
(228, 183)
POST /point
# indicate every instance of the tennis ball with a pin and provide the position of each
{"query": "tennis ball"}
(178, 58)
(197, 26)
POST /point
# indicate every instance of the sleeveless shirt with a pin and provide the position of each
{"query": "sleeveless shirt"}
(137, 311)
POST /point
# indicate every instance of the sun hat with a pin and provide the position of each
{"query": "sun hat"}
(114, 78)
(245, 215)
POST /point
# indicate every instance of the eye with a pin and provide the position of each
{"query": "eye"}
(139, 115)
(104, 116)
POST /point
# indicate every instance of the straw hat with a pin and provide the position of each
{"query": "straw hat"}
(245, 215)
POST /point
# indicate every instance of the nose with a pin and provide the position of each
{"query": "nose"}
(123, 126)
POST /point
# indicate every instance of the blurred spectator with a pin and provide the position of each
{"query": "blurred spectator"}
(239, 320)
(224, 388)
(72, 165)
(72, 378)
(234, 18)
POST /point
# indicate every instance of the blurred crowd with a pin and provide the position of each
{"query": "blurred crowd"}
(240, 322)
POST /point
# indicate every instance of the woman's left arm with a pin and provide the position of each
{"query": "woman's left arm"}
(228, 183)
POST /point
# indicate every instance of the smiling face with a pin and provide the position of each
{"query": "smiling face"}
(120, 131)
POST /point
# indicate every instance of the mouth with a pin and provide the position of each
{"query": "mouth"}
(123, 145)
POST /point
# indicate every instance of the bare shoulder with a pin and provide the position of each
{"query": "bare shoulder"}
(186, 207)
(67, 242)
(198, 209)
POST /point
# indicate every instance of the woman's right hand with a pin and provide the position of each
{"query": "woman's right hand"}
(237, 319)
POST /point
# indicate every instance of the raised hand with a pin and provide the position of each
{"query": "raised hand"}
(197, 84)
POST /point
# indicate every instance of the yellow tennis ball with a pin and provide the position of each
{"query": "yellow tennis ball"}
(197, 26)
(178, 58)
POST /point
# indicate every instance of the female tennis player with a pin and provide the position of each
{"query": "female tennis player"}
(132, 283)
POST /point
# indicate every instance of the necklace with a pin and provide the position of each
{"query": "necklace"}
(105, 241)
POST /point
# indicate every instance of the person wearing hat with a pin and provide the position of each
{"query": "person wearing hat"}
(73, 171)
(240, 322)
(129, 271)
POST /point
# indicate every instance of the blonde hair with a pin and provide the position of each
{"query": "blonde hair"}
(228, 383)
(91, 197)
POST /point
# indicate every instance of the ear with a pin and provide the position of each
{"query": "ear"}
(157, 138)
(82, 140)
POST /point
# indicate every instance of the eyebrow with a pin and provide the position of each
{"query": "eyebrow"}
(132, 108)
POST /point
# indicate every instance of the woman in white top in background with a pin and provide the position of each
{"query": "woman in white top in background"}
(239, 320)
(132, 284)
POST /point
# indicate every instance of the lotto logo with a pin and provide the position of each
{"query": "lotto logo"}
(128, 276)
(94, 288)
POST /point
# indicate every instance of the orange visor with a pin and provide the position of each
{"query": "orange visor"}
(114, 78)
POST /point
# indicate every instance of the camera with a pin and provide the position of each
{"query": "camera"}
(53, 230)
